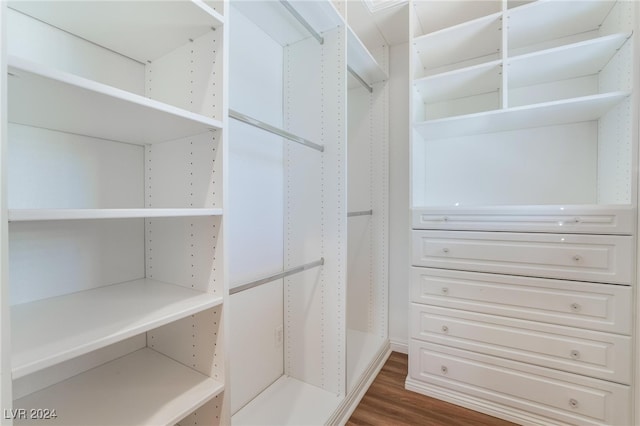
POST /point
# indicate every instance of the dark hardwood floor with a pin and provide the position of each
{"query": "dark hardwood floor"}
(388, 403)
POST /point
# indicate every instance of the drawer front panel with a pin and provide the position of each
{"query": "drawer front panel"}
(601, 258)
(567, 397)
(603, 355)
(557, 219)
(592, 306)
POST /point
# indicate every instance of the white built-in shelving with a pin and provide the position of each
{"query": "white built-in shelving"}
(361, 61)
(141, 388)
(92, 319)
(94, 109)
(116, 161)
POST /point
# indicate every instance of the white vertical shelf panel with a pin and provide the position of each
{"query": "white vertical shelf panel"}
(50, 331)
(94, 109)
(132, 390)
(141, 30)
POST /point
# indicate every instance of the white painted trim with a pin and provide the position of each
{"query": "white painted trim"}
(397, 346)
(353, 398)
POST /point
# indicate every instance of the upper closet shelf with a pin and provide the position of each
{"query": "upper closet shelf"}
(21, 215)
(285, 28)
(564, 62)
(49, 331)
(361, 62)
(141, 30)
(574, 110)
(44, 97)
(467, 44)
(142, 388)
(546, 20)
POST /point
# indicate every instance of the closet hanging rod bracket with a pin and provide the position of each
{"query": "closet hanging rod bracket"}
(302, 21)
(360, 79)
(277, 276)
(271, 129)
(360, 213)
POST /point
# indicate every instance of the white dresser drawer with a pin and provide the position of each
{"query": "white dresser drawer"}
(604, 307)
(597, 258)
(565, 397)
(591, 353)
(591, 219)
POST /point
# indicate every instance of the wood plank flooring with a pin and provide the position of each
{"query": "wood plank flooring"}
(388, 403)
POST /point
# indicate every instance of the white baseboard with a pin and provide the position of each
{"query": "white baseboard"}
(353, 398)
(402, 347)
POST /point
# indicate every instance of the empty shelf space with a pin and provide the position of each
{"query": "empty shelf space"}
(470, 43)
(360, 60)
(282, 26)
(574, 110)
(141, 30)
(548, 20)
(288, 401)
(142, 388)
(49, 331)
(20, 215)
(461, 83)
(569, 61)
(43, 97)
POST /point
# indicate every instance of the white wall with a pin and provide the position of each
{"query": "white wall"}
(399, 212)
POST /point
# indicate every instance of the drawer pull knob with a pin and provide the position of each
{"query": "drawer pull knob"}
(575, 307)
(445, 290)
(445, 329)
(573, 403)
(446, 250)
(445, 218)
(577, 258)
(575, 354)
(444, 369)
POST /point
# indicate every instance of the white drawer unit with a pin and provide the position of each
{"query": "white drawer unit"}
(591, 353)
(564, 397)
(570, 219)
(597, 258)
(592, 306)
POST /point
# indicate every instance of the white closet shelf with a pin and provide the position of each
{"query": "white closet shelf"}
(43, 97)
(275, 20)
(546, 20)
(141, 30)
(461, 83)
(570, 61)
(574, 110)
(465, 42)
(142, 388)
(289, 401)
(49, 331)
(20, 215)
(360, 60)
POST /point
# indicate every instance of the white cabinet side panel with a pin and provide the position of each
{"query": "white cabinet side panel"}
(182, 251)
(472, 170)
(193, 341)
(33, 39)
(316, 211)
(190, 77)
(255, 316)
(49, 169)
(48, 260)
(184, 172)
(213, 409)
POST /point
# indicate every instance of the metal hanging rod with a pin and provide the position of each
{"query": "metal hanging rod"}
(303, 21)
(271, 129)
(362, 213)
(360, 79)
(277, 276)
